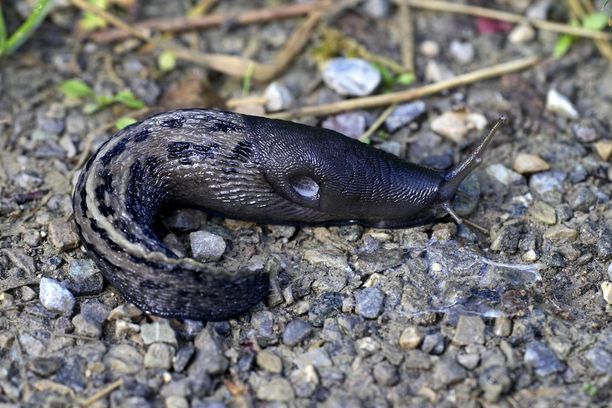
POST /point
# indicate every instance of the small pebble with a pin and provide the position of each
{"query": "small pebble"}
(600, 359)
(547, 182)
(521, 34)
(543, 212)
(542, 359)
(351, 76)
(456, 125)
(124, 359)
(62, 234)
(436, 72)
(159, 331)
(525, 163)
(468, 360)
(296, 331)
(585, 134)
(560, 104)
(305, 381)
(55, 297)
(385, 374)
(159, 355)
(86, 327)
(125, 311)
(206, 246)
(502, 326)
(430, 48)
(351, 124)
(530, 256)
(581, 199)
(85, 277)
(470, 330)
(369, 302)
(277, 389)
(560, 233)
(404, 114)
(410, 338)
(377, 8)
(606, 291)
(392, 147)
(604, 149)
(462, 52)
(278, 97)
(269, 361)
(503, 174)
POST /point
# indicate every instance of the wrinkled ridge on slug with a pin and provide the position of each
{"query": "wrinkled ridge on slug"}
(242, 167)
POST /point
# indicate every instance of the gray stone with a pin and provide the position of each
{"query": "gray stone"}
(85, 277)
(433, 343)
(369, 302)
(326, 305)
(125, 311)
(124, 359)
(20, 259)
(206, 246)
(545, 362)
(296, 331)
(462, 52)
(174, 401)
(183, 356)
(317, 357)
(391, 146)
(548, 185)
(159, 331)
(600, 360)
(377, 8)
(55, 297)
(277, 389)
(404, 114)
(468, 360)
(209, 358)
(503, 174)
(581, 199)
(351, 76)
(278, 97)
(351, 124)
(385, 374)
(495, 381)
(269, 361)
(263, 323)
(305, 381)
(470, 330)
(159, 355)
(86, 327)
(502, 326)
(584, 134)
(447, 372)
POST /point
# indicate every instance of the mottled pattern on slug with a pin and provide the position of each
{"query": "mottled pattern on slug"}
(242, 167)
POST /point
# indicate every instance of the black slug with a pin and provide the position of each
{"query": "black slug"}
(243, 167)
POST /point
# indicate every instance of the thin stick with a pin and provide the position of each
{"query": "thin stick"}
(407, 33)
(377, 123)
(505, 16)
(180, 24)
(102, 393)
(410, 94)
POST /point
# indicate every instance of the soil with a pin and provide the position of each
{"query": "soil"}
(438, 315)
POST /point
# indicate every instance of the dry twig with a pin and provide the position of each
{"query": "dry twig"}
(410, 94)
(180, 24)
(437, 5)
(406, 29)
(102, 393)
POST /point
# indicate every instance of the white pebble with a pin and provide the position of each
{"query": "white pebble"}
(55, 297)
(206, 246)
(558, 103)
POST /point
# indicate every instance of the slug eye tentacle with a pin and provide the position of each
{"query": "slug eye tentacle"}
(455, 176)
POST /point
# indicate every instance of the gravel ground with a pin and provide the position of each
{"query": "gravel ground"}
(438, 315)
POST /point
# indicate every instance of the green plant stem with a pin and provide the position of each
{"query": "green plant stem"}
(2, 31)
(27, 28)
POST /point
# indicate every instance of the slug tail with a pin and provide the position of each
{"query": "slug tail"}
(455, 176)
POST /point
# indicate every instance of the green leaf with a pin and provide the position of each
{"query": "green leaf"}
(128, 99)
(595, 21)
(91, 22)
(124, 122)
(388, 79)
(406, 78)
(2, 32)
(563, 45)
(166, 61)
(76, 88)
(92, 107)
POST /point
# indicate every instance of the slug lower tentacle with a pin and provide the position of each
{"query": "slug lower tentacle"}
(242, 167)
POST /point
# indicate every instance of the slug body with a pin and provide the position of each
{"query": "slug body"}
(243, 167)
